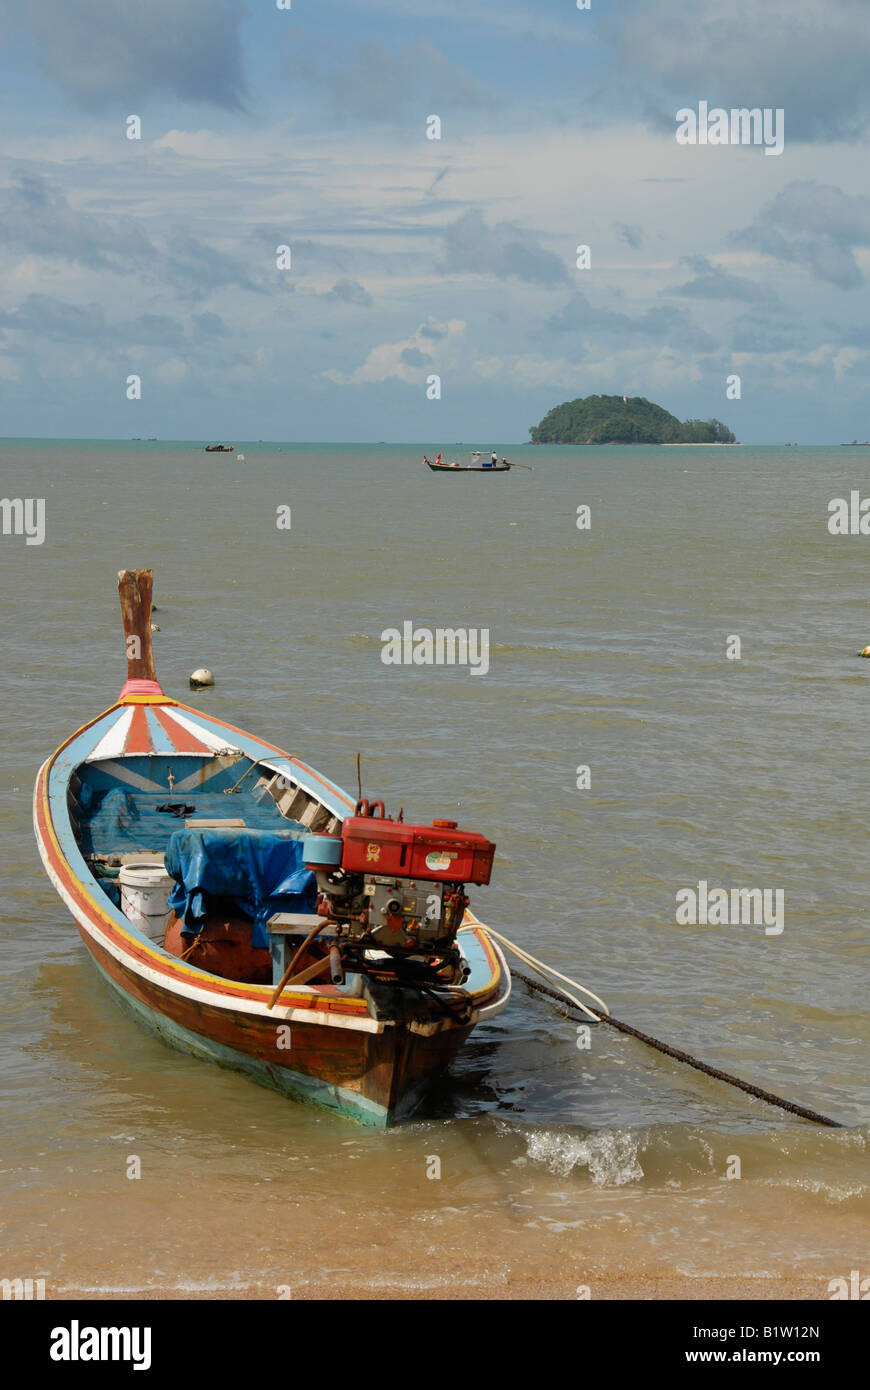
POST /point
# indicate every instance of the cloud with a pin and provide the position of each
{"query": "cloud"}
(210, 325)
(762, 334)
(438, 179)
(404, 360)
(376, 84)
(517, 19)
(712, 283)
(102, 53)
(815, 226)
(37, 219)
(172, 372)
(811, 60)
(504, 250)
(414, 357)
(350, 292)
(578, 315)
(43, 316)
(633, 235)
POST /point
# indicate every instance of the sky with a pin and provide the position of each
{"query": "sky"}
(414, 258)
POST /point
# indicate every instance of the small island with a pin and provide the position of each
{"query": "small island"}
(623, 420)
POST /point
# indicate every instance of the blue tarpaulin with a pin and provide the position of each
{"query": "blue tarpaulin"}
(261, 871)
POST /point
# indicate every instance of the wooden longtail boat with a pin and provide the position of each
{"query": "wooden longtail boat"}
(468, 467)
(355, 1003)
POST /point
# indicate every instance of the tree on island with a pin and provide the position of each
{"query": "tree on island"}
(617, 420)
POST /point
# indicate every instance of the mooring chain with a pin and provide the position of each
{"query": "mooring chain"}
(687, 1058)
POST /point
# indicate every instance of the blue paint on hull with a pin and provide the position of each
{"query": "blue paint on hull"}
(281, 1079)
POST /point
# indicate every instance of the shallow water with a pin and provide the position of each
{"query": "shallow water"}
(607, 649)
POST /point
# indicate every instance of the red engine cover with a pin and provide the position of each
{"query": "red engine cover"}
(437, 852)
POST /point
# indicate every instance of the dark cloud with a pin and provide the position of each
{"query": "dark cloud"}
(712, 283)
(104, 53)
(505, 249)
(815, 226)
(199, 269)
(41, 315)
(632, 235)
(37, 219)
(413, 357)
(439, 178)
(852, 335)
(662, 322)
(210, 325)
(807, 58)
(44, 316)
(350, 292)
(376, 84)
(764, 333)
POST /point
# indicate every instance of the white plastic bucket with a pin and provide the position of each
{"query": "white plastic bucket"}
(145, 889)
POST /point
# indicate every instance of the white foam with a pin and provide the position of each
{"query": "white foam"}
(610, 1155)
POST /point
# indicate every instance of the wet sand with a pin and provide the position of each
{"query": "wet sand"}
(645, 1288)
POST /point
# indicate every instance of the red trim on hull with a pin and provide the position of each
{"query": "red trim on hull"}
(175, 732)
(138, 738)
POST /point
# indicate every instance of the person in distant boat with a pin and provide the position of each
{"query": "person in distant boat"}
(505, 464)
(438, 460)
(494, 460)
(425, 460)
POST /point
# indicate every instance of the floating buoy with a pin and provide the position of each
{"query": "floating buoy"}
(201, 678)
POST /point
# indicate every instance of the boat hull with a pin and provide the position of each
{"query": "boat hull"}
(376, 1079)
(464, 468)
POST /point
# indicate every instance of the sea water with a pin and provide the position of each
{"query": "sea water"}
(562, 1158)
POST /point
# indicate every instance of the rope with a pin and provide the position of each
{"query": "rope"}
(548, 972)
(689, 1060)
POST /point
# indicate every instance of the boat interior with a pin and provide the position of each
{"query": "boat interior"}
(221, 837)
(203, 856)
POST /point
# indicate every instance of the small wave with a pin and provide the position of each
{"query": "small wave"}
(828, 1191)
(610, 1155)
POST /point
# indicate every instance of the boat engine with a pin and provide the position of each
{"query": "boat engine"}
(397, 887)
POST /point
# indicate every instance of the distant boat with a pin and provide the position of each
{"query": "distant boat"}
(469, 467)
(475, 466)
(219, 448)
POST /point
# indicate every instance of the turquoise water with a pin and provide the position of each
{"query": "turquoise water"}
(607, 649)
